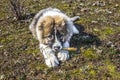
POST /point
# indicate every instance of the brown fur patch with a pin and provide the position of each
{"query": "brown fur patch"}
(60, 24)
(47, 25)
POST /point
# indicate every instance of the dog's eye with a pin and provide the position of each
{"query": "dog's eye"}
(62, 39)
(50, 37)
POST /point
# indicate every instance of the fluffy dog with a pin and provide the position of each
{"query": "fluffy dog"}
(53, 29)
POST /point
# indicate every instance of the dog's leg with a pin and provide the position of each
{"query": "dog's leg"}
(75, 18)
(49, 55)
(63, 55)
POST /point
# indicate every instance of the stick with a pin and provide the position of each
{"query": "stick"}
(70, 49)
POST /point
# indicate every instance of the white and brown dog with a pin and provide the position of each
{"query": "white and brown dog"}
(53, 29)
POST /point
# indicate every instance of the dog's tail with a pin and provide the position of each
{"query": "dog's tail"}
(74, 29)
(75, 18)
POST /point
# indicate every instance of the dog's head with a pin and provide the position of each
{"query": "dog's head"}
(54, 30)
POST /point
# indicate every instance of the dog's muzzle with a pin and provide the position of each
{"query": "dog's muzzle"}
(57, 45)
(56, 48)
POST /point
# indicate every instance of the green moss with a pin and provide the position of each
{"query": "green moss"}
(40, 66)
(90, 54)
(92, 73)
(32, 51)
(37, 66)
(83, 21)
(108, 31)
(112, 51)
(108, 70)
(77, 71)
(105, 32)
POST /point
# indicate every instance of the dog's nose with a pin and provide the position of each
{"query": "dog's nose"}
(56, 47)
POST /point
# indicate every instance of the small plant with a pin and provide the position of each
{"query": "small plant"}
(17, 8)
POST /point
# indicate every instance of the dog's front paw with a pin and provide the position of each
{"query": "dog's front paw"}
(51, 61)
(63, 55)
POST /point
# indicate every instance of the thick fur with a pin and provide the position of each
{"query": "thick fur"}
(48, 27)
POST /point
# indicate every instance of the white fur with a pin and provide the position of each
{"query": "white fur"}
(51, 59)
(66, 44)
(49, 55)
(63, 55)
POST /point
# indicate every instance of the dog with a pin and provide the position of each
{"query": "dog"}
(53, 29)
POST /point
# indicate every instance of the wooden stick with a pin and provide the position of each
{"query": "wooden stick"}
(70, 49)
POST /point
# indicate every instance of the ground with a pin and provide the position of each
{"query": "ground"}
(99, 42)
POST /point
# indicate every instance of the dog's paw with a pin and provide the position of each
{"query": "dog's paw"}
(63, 55)
(51, 61)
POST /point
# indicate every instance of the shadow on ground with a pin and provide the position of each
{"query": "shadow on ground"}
(83, 38)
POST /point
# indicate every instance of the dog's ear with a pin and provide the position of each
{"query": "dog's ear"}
(60, 24)
(46, 25)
